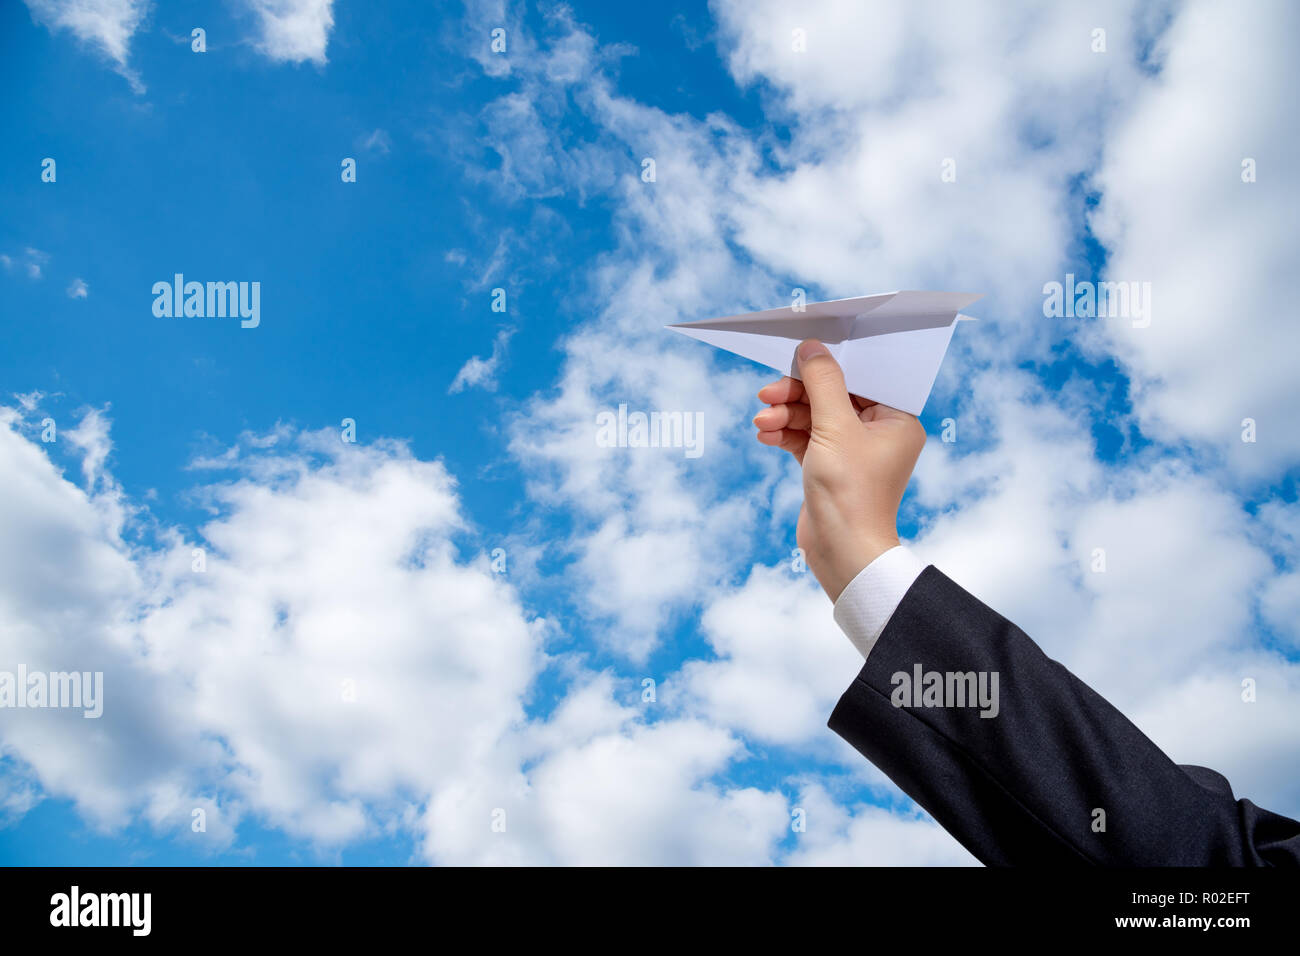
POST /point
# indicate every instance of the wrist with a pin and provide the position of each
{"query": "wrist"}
(839, 569)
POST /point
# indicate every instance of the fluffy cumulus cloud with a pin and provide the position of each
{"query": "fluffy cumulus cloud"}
(293, 31)
(780, 660)
(313, 657)
(935, 144)
(319, 658)
(1198, 202)
(867, 835)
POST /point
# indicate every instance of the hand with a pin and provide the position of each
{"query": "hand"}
(857, 457)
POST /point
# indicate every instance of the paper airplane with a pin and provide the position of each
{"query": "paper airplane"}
(890, 345)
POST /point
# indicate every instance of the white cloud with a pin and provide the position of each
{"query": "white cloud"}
(77, 289)
(105, 25)
(378, 141)
(317, 577)
(1219, 253)
(36, 261)
(870, 836)
(482, 372)
(287, 31)
(782, 662)
(293, 31)
(28, 401)
(16, 798)
(639, 795)
(91, 438)
(642, 799)
(32, 261)
(334, 670)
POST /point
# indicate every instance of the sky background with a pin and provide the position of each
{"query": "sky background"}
(476, 686)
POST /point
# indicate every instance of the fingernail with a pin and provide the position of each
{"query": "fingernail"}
(811, 349)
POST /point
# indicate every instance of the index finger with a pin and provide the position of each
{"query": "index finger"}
(783, 392)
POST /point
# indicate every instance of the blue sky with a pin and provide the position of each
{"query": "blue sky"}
(777, 168)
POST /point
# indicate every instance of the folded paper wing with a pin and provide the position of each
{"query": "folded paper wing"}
(889, 345)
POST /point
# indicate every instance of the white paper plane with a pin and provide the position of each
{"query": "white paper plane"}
(890, 345)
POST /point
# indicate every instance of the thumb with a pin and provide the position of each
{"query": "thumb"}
(823, 380)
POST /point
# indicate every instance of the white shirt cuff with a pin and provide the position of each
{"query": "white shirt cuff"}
(869, 601)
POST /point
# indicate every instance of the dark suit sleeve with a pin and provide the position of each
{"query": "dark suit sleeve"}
(1024, 787)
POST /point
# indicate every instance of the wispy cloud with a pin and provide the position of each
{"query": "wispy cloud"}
(28, 401)
(105, 25)
(378, 142)
(31, 262)
(482, 372)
